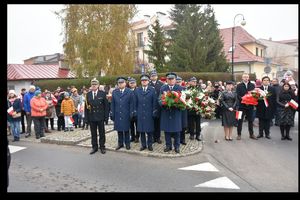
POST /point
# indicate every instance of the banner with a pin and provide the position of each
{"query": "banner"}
(266, 102)
(10, 111)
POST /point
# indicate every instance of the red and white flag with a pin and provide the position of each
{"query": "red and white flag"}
(293, 104)
(10, 111)
(238, 114)
(266, 102)
(71, 120)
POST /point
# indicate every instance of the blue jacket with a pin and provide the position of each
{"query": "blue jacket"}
(27, 97)
(170, 119)
(146, 108)
(122, 109)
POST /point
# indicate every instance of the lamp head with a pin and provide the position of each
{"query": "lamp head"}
(243, 23)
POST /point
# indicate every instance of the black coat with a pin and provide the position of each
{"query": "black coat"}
(241, 90)
(267, 112)
(96, 109)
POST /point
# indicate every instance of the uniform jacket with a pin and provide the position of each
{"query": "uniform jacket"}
(122, 109)
(96, 109)
(241, 90)
(146, 108)
(170, 119)
(267, 112)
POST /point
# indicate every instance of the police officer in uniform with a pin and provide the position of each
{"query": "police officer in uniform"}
(193, 118)
(170, 119)
(157, 84)
(122, 111)
(183, 115)
(134, 133)
(96, 113)
(146, 109)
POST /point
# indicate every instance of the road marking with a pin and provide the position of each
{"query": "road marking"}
(201, 167)
(222, 182)
(14, 149)
(204, 124)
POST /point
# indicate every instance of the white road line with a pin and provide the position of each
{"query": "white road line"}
(201, 167)
(14, 149)
(222, 182)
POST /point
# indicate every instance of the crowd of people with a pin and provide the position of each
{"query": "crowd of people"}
(137, 111)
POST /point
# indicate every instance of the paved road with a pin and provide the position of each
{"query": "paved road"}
(241, 166)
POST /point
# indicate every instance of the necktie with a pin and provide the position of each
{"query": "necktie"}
(144, 89)
(171, 88)
(94, 95)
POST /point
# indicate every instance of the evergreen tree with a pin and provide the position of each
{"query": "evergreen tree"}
(157, 46)
(97, 39)
(196, 44)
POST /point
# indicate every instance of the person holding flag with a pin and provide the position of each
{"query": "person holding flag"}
(265, 108)
(286, 112)
(67, 109)
(228, 101)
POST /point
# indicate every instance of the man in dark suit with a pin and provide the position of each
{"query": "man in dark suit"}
(170, 119)
(135, 135)
(146, 110)
(157, 84)
(96, 113)
(122, 111)
(241, 90)
(265, 112)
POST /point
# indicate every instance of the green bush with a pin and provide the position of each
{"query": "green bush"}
(111, 80)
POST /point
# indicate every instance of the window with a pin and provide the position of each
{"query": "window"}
(140, 39)
(256, 51)
(261, 53)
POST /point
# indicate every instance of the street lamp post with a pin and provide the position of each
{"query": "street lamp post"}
(232, 45)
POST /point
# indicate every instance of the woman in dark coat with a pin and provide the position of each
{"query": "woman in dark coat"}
(228, 100)
(286, 112)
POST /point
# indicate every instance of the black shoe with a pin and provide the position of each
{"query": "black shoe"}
(37, 137)
(150, 148)
(283, 138)
(42, 135)
(58, 129)
(159, 141)
(289, 138)
(198, 139)
(177, 150)
(267, 136)
(260, 136)
(93, 151)
(27, 135)
(183, 143)
(119, 147)
(142, 148)
(167, 149)
(103, 151)
(16, 139)
(192, 138)
(136, 140)
(127, 147)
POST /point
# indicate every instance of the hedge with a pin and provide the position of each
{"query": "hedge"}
(111, 80)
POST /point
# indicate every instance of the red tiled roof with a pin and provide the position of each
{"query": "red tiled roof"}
(241, 36)
(29, 72)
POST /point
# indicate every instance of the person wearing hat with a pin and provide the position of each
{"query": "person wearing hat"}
(38, 106)
(170, 119)
(156, 84)
(14, 118)
(135, 135)
(146, 109)
(194, 120)
(27, 98)
(96, 113)
(122, 111)
(228, 101)
(247, 110)
(265, 113)
(183, 115)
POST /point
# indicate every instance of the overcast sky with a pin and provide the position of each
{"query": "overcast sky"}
(35, 30)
